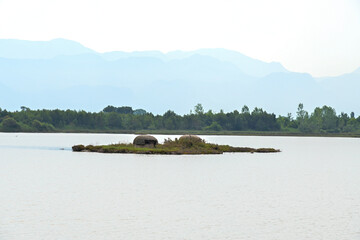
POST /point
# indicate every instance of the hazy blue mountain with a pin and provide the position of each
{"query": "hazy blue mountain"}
(90, 69)
(116, 55)
(343, 89)
(6, 94)
(64, 74)
(344, 81)
(90, 82)
(22, 49)
(247, 65)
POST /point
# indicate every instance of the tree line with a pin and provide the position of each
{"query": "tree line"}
(321, 120)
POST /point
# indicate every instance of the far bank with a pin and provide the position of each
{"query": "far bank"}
(199, 132)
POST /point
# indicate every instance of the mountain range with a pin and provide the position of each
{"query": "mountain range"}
(64, 74)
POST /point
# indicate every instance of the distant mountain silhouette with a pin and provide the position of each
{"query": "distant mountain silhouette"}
(64, 74)
(246, 64)
(22, 49)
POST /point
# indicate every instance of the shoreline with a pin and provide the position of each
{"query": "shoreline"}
(204, 133)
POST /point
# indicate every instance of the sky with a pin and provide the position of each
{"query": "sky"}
(320, 37)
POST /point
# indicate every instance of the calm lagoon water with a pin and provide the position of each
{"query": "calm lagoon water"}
(311, 190)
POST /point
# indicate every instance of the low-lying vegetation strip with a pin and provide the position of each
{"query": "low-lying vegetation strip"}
(323, 121)
(178, 146)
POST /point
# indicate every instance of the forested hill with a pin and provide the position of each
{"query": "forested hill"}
(125, 119)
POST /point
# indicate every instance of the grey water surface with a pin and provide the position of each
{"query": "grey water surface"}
(311, 190)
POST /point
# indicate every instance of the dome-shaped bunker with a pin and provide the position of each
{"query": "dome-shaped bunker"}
(192, 138)
(145, 141)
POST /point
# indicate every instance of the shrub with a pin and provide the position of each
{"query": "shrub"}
(42, 127)
(10, 124)
(213, 127)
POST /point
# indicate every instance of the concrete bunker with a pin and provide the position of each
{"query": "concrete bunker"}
(145, 141)
(192, 138)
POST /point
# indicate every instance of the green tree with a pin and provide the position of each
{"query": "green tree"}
(114, 120)
(10, 124)
(199, 109)
(42, 127)
(301, 114)
(213, 127)
(245, 109)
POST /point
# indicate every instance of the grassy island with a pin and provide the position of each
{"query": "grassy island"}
(176, 147)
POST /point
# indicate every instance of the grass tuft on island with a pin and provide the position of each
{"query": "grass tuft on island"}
(176, 147)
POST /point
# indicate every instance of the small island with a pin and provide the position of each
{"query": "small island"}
(187, 144)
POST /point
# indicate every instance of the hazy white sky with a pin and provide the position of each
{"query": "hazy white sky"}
(321, 37)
